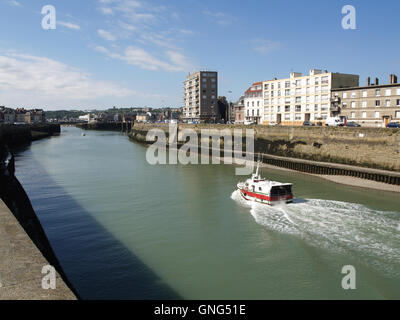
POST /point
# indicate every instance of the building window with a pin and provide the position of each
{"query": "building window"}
(344, 105)
(287, 108)
(365, 93)
(353, 104)
(298, 83)
(252, 113)
(397, 114)
(212, 79)
(377, 92)
(266, 86)
(387, 103)
(364, 114)
(388, 92)
(298, 108)
(298, 99)
(353, 94)
(353, 115)
(376, 114)
(324, 80)
(377, 103)
(258, 103)
(297, 116)
(316, 107)
(287, 84)
(287, 92)
(279, 109)
(398, 102)
(364, 104)
(344, 95)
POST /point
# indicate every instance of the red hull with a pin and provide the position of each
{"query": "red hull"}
(264, 198)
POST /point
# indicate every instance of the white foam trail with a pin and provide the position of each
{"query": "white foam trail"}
(340, 226)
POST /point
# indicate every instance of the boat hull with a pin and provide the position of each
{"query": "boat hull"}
(265, 199)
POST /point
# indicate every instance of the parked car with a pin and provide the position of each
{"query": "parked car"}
(393, 125)
(308, 123)
(352, 124)
(248, 123)
(272, 123)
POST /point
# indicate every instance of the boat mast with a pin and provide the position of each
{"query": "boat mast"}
(258, 165)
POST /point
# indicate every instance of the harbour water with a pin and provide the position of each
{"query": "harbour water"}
(124, 229)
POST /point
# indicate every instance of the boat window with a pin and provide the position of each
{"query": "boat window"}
(259, 188)
(281, 190)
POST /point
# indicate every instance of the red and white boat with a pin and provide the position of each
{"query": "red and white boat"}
(264, 191)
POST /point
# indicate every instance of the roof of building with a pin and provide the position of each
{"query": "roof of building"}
(379, 86)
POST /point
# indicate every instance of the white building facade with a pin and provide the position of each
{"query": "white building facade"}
(254, 104)
(299, 98)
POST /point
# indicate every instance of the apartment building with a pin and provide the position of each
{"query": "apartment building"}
(253, 103)
(200, 96)
(299, 98)
(373, 105)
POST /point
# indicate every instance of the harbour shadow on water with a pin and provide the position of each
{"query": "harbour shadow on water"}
(98, 265)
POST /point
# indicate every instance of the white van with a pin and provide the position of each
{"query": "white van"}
(334, 122)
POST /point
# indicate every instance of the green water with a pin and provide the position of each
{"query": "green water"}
(188, 226)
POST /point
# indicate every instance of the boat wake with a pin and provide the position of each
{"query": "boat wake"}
(371, 235)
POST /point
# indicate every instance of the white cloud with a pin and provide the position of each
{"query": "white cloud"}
(14, 3)
(141, 58)
(36, 78)
(263, 46)
(106, 35)
(69, 25)
(221, 18)
(151, 30)
(106, 11)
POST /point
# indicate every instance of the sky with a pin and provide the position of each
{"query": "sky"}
(134, 53)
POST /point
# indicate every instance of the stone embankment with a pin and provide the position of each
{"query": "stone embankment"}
(368, 153)
(114, 126)
(15, 135)
(24, 247)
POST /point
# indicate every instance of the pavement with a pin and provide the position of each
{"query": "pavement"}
(21, 265)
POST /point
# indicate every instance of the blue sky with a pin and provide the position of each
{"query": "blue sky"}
(137, 53)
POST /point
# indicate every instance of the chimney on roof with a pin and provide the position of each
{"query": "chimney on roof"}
(376, 81)
(393, 79)
(368, 81)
